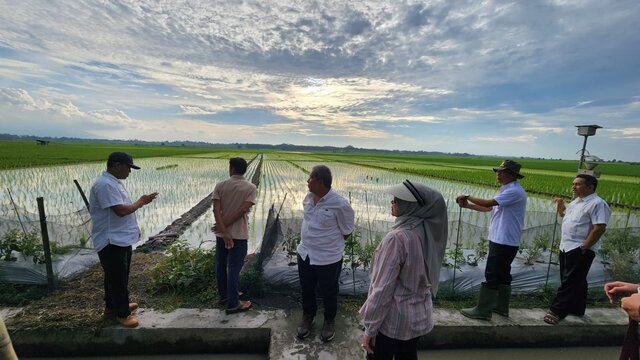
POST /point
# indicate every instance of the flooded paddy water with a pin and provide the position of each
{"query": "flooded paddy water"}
(183, 182)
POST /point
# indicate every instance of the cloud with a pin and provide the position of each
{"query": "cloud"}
(338, 72)
(543, 129)
(22, 99)
(112, 118)
(505, 139)
(628, 133)
(18, 97)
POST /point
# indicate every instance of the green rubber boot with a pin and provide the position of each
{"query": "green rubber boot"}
(486, 302)
(502, 304)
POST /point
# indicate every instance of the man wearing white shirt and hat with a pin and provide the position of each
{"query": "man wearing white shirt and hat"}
(507, 219)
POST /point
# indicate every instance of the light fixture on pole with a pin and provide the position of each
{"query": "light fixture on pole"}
(586, 131)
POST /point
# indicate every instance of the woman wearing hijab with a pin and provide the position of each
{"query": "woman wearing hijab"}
(404, 274)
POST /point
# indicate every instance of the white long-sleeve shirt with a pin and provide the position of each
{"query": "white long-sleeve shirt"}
(324, 227)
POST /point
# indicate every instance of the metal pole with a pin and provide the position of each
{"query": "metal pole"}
(584, 146)
(553, 244)
(45, 241)
(353, 269)
(455, 254)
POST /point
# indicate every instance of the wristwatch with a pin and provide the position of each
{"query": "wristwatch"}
(638, 289)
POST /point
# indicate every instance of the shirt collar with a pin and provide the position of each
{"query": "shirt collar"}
(514, 182)
(110, 175)
(587, 198)
(328, 195)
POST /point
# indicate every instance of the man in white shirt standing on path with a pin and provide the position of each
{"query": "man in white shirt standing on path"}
(328, 221)
(584, 221)
(114, 231)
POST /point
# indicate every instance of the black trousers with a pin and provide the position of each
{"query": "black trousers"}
(115, 261)
(324, 277)
(387, 349)
(571, 298)
(498, 269)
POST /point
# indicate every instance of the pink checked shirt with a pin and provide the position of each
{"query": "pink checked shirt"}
(399, 301)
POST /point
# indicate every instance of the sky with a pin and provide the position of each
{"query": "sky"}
(505, 78)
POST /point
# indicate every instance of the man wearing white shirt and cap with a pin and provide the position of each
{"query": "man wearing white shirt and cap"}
(114, 231)
(328, 221)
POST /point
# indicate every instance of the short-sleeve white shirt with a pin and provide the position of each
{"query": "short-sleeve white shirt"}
(507, 218)
(323, 228)
(579, 217)
(107, 227)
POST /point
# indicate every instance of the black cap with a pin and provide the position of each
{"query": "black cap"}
(122, 158)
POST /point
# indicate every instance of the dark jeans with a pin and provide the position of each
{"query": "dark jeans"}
(387, 348)
(228, 265)
(115, 261)
(571, 297)
(326, 278)
(498, 269)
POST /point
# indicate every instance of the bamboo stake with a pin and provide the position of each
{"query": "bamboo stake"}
(45, 241)
(15, 208)
(84, 197)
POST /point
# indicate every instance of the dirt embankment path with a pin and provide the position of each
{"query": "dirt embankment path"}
(171, 233)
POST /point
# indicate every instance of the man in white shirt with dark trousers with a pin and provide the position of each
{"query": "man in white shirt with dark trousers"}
(114, 231)
(584, 221)
(328, 221)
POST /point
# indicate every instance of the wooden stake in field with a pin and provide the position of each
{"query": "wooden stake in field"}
(45, 241)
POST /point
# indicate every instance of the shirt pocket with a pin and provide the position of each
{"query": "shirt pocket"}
(325, 217)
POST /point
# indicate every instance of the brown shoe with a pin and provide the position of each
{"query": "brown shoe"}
(304, 330)
(328, 330)
(109, 312)
(130, 321)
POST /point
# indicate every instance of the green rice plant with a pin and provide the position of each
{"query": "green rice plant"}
(185, 269)
(481, 249)
(8, 243)
(31, 245)
(352, 248)
(454, 258)
(533, 251)
(252, 280)
(290, 245)
(620, 252)
(365, 253)
(22, 154)
(83, 240)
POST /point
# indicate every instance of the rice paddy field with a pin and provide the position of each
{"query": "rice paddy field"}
(183, 176)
